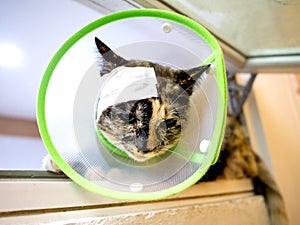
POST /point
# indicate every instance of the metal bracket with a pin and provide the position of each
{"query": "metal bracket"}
(237, 93)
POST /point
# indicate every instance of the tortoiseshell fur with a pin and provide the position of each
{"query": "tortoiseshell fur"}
(237, 160)
(149, 127)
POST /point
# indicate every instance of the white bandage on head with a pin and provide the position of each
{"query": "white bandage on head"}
(124, 84)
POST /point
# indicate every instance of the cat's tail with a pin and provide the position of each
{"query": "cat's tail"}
(265, 185)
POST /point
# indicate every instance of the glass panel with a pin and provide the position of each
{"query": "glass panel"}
(254, 28)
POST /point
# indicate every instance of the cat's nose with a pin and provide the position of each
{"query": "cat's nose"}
(142, 141)
(142, 147)
(145, 150)
(151, 145)
(152, 141)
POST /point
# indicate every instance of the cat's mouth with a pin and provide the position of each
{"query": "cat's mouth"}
(142, 152)
(157, 152)
(141, 156)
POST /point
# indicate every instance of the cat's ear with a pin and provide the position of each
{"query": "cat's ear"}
(187, 78)
(197, 72)
(110, 60)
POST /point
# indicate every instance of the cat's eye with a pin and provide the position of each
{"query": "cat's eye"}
(170, 122)
(131, 118)
(124, 117)
(164, 125)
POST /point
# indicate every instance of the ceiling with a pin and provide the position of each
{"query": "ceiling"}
(256, 36)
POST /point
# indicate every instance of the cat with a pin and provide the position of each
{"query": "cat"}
(148, 127)
(237, 159)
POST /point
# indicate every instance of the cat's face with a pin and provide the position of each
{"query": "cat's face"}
(143, 129)
(149, 127)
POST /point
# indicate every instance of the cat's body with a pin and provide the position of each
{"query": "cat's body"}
(154, 125)
(237, 160)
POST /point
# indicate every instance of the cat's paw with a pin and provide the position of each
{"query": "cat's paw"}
(50, 165)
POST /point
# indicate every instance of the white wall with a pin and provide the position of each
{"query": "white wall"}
(21, 153)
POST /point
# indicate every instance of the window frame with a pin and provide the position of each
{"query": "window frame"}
(30, 198)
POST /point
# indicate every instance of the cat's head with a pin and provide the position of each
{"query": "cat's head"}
(149, 127)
